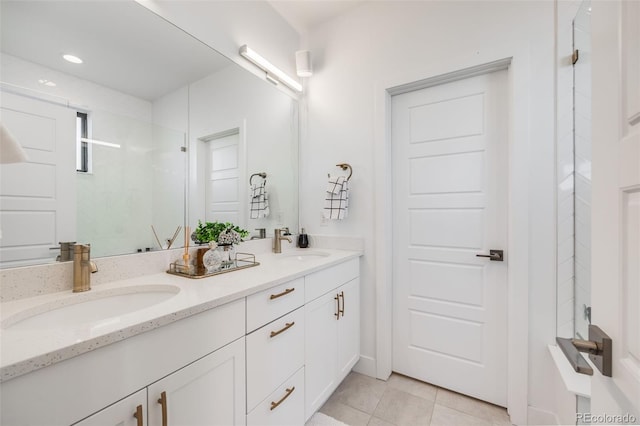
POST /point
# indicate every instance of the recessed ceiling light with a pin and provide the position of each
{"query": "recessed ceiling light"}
(72, 59)
(47, 82)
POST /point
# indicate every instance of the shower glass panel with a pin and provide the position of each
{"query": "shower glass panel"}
(582, 169)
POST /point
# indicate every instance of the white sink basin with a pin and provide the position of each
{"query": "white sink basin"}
(92, 306)
(304, 255)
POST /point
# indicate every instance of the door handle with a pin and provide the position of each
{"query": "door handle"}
(599, 347)
(495, 255)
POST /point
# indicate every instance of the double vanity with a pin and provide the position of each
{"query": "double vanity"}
(259, 346)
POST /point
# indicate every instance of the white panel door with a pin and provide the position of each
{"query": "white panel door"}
(449, 160)
(37, 198)
(223, 183)
(615, 226)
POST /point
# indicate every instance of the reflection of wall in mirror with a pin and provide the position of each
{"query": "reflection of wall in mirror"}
(223, 100)
(131, 187)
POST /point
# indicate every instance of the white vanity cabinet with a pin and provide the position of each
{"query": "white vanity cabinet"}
(208, 392)
(275, 356)
(131, 411)
(332, 335)
(204, 350)
(270, 358)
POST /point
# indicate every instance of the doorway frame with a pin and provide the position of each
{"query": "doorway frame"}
(517, 66)
(197, 158)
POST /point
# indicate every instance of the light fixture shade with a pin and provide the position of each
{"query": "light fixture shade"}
(303, 63)
(269, 68)
(10, 149)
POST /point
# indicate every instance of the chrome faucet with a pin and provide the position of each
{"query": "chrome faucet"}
(262, 233)
(277, 241)
(83, 267)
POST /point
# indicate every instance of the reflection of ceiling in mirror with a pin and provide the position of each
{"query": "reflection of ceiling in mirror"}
(124, 46)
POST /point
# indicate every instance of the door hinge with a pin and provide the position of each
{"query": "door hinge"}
(183, 148)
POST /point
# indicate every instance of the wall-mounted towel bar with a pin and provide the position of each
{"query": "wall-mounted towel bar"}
(263, 175)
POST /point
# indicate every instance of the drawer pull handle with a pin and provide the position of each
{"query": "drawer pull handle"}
(163, 402)
(286, 395)
(341, 311)
(138, 415)
(287, 326)
(337, 314)
(284, 293)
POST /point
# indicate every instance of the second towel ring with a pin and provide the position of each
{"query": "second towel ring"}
(263, 175)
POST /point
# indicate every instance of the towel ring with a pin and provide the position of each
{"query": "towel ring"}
(263, 175)
(345, 166)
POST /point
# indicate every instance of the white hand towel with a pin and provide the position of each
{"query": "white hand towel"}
(336, 202)
(259, 201)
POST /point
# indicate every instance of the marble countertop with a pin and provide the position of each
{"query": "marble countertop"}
(23, 349)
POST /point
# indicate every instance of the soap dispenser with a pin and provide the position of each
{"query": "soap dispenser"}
(303, 239)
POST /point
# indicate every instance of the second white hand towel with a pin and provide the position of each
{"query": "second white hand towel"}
(336, 202)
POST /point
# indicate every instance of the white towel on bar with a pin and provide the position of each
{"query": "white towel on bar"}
(259, 201)
(336, 201)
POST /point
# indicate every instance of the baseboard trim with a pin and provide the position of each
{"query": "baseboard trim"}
(366, 365)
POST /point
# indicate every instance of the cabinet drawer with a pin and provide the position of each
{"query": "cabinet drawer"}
(318, 283)
(272, 303)
(289, 411)
(274, 352)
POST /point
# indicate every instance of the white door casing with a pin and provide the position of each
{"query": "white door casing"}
(38, 198)
(616, 205)
(449, 150)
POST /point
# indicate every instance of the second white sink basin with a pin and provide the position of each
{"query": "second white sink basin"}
(304, 255)
(92, 306)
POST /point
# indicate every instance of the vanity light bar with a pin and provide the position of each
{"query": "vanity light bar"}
(269, 68)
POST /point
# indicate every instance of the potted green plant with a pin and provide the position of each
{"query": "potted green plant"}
(210, 231)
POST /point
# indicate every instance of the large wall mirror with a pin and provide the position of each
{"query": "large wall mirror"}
(153, 128)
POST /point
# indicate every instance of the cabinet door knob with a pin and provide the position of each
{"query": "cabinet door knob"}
(341, 311)
(286, 395)
(284, 293)
(163, 402)
(287, 326)
(138, 415)
(337, 314)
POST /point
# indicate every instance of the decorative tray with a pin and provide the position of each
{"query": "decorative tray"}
(242, 261)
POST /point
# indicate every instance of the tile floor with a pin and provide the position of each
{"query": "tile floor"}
(362, 400)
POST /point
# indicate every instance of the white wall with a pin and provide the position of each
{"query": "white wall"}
(379, 42)
(268, 119)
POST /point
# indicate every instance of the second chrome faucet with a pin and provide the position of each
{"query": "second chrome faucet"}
(277, 240)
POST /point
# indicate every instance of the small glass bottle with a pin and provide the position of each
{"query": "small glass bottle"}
(212, 259)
